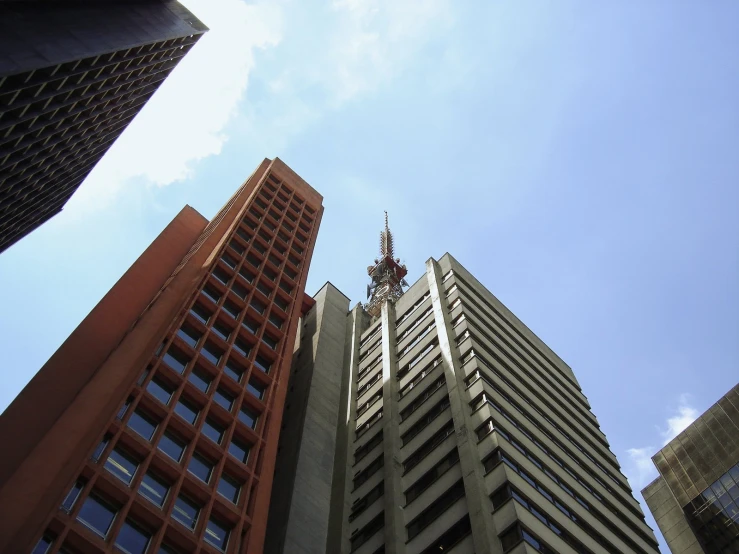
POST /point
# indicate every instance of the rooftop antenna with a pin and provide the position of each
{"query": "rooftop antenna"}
(388, 275)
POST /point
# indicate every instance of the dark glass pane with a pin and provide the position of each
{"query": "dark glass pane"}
(231, 309)
(121, 465)
(142, 424)
(122, 411)
(154, 489)
(216, 533)
(72, 496)
(213, 294)
(176, 360)
(229, 488)
(250, 325)
(211, 353)
(200, 468)
(233, 371)
(256, 388)
(42, 547)
(159, 390)
(240, 290)
(224, 399)
(276, 321)
(172, 446)
(262, 363)
(201, 313)
(248, 416)
(132, 538)
(258, 306)
(239, 451)
(97, 515)
(189, 334)
(213, 431)
(269, 341)
(186, 411)
(200, 379)
(101, 447)
(186, 512)
(242, 347)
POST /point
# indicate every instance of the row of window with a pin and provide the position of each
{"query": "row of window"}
(368, 385)
(361, 504)
(425, 420)
(422, 397)
(361, 477)
(418, 358)
(361, 536)
(435, 509)
(430, 477)
(490, 462)
(409, 311)
(427, 447)
(516, 534)
(420, 376)
(406, 349)
(415, 324)
(369, 367)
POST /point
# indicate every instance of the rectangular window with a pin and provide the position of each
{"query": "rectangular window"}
(264, 289)
(186, 512)
(242, 347)
(186, 411)
(200, 467)
(200, 379)
(282, 303)
(238, 248)
(216, 533)
(239, 450)
(256, 388)
(233, 370)
(276, 320)
(222, 330)
(132, 538)
(253, 260)
(231, 309)
(221, 275)
(243, 234)
(248, 416)
(142, 424)
(294, 260)
(154, 489)
(286, 287)
(97, 514)
(213, 431)
(269, 274)
(224, 399)
(175, 359)
(212, 293)
(262, 363)
(101, 447)
(229, 488)
(275, 260)
(160, 390)
(211, 353)
(189, 334)
(73, 495)
(269, 341)
(122, 465)
(250, 325)
(240, 290)
(172, 446)
(438, 507)
(291, 273)
(259, 247)
(258, 306)
(43, 545)
(246, 274)
(200, 313)
(229, 261)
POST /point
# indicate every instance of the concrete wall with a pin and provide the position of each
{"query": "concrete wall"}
(670, 518)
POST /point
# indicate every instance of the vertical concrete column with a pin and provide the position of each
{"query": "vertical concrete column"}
(393, 496)
(483, 531)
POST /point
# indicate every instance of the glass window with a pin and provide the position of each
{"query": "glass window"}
(233, 370)
(250, 325)
(101, 447)
(142, 424)
(248, 416)
(213, 431)
(229, 261)
(222, 330)
(122, 411)
(200, 313)
(258, 306)
(282, 303)
(276, 320)
(246, 274)
(211, 353)
(242, 347)
(263, 363)
(256, 388)
(264, 289)
(240, 290)
(239, 450)
(172, 446)
(42, 547)
(231, 309)
(212, 293)
(269, 341)
(73, 495)
(132, 538)
(229, 488)
(216, 533)
(97, 514)
(189, 334)
(221, 275)
(121, 465)
(224, 399)
(186, 512)
(160, 390)
(154, 489)
(176, 360)
(200, 467)
(237, 246)
(186, 411)
(269, 274)
(200, 379)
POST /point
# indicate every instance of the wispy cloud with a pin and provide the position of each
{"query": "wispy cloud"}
(640, 468)
(185, 119)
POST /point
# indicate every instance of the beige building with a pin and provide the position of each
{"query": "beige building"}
(695, 499)
(443, 424)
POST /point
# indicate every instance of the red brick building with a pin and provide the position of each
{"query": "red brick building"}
(154, 427)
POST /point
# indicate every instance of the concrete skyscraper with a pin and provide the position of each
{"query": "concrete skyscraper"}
(72, 77)
(154, 427)
(435, 421)
(695, 499)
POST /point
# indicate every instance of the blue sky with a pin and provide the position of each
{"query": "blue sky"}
(579, 158)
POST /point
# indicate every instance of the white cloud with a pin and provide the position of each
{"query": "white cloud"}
(184, 121)
(641, 469)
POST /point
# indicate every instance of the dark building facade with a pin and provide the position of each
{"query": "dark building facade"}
(695, 499)
(154, 427)
(72, 77)
(441, 425)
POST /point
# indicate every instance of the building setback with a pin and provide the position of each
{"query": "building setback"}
(72, 77)
(441, 425)
(695, 499)
(154, 427)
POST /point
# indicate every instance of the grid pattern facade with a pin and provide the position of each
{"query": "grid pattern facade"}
(467, 434)
(180, 466)
(57, 121)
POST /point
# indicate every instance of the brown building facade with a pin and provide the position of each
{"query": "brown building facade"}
(154, 427)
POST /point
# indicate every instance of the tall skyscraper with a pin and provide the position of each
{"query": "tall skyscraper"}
(154, 427)
(72, 77)
(695, 499)
(435, 421)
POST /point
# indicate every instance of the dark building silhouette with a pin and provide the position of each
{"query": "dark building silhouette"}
(154, 427)
(72, 76)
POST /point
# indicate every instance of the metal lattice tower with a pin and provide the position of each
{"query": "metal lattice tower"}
(387, 275)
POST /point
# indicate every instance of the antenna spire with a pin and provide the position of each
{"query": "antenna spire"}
(387, 275)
